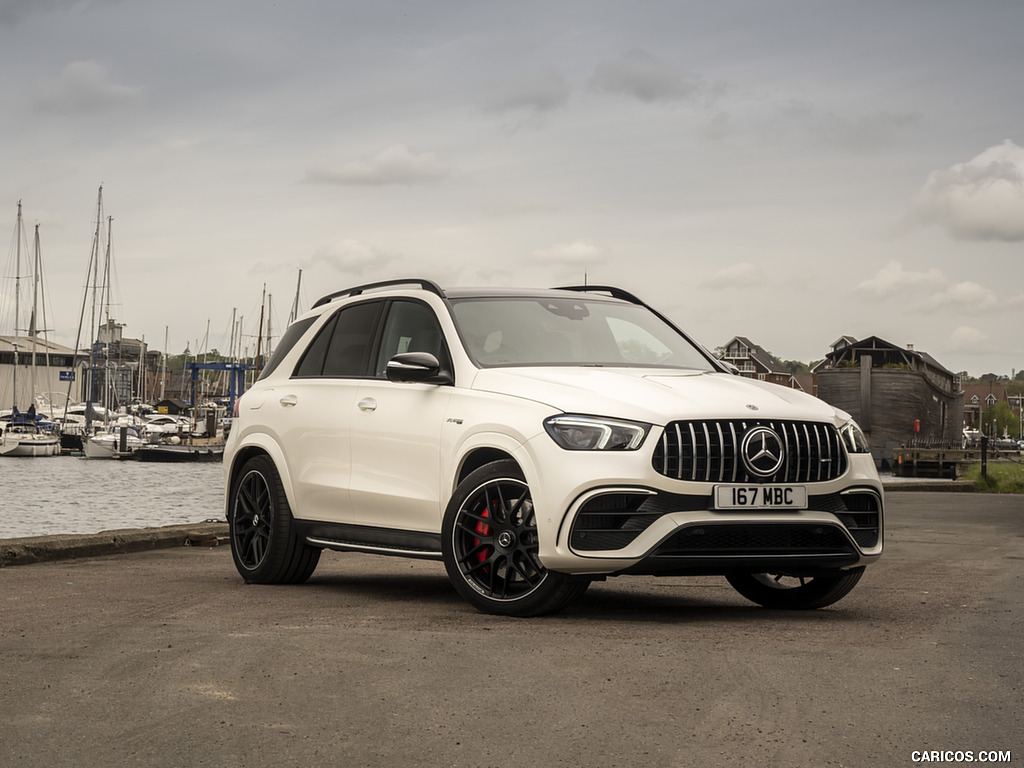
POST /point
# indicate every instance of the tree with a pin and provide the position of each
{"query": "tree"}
(795, 367)
(1005, 419)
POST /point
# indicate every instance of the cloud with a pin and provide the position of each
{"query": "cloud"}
(575, 253)
(641, 76)
(893, 281)
(537, 92)
(928, 291)
(351, 255)
(395, 165)
(982, 199)
(967, 295)
(967, 339)
(83, 87)
(735, 276)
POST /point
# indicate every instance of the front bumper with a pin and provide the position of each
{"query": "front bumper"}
(606, 513)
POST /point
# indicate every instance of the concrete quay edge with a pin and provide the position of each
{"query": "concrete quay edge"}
(38, 549)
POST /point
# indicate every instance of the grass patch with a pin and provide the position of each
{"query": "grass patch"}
(1003, 477)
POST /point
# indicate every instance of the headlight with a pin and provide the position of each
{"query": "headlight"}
(856, 441)
(591, 433)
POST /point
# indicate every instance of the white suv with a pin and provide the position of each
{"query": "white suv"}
(536, 440)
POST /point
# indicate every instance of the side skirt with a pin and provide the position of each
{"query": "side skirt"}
(365, 538)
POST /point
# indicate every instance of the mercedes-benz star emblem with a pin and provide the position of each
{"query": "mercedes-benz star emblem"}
(762, 452)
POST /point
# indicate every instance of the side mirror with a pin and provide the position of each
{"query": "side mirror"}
(417, 367)
(730, 367)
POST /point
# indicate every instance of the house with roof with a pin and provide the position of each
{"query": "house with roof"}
(978, 397)
(755, 362)
(896, 394)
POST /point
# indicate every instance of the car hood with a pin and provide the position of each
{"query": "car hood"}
(655, 396)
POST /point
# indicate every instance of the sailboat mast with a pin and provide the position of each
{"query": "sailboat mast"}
(84, 390)
(105, 298)
(94, 261)
(231, 344)
(142, 371)
(17, 300)
(294, 314)
(270, 319)
(163, 363)
(42, 312)
(32, 330)
(259, 333)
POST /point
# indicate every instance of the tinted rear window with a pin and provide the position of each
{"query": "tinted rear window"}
(295, 332)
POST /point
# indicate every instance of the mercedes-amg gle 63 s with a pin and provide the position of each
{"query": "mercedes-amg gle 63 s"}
(536, 440)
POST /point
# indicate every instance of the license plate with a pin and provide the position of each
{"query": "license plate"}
(760, 497)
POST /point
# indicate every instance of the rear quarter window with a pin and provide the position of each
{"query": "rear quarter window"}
(291, 336)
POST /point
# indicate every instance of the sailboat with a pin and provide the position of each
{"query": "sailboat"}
(26, 433)
(122, 439)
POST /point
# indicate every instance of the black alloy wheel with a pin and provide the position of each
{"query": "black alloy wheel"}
(264, 544)
(490, 546)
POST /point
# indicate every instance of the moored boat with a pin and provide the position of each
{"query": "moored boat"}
(25, 435)
(119, 442)
(181, 452)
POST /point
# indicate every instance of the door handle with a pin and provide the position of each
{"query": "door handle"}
(289, 400)
(367, 404)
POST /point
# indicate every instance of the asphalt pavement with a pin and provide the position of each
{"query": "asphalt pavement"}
(164, 657)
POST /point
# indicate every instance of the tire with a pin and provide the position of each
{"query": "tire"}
(264, 544)
(489, 544)
(773, 590)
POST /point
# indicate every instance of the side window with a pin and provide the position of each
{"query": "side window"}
(353, 336)
(312, 362)
(291, 336)
(342, 346)
(410, 327)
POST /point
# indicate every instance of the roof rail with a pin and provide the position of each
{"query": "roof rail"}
(615, 293)
(427, 285)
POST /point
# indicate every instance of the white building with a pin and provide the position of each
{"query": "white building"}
(51, 374)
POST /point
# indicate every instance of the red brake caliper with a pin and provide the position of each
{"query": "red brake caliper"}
(484, 530)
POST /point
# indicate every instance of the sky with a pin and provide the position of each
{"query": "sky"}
(789, 171)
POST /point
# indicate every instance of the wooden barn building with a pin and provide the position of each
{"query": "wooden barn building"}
(896, 394)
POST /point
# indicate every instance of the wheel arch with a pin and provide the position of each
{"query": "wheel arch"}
(477, 458)
(258, 446)
(484, 448)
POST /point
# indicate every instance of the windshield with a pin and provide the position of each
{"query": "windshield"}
(541, 331)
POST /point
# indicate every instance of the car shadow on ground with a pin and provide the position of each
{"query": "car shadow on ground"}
(683, 601)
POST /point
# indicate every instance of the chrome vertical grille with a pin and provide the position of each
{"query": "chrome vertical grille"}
(709, 451)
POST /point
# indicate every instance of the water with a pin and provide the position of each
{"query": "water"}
(71, 494)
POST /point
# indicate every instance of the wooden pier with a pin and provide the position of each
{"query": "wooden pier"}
(942, 462)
